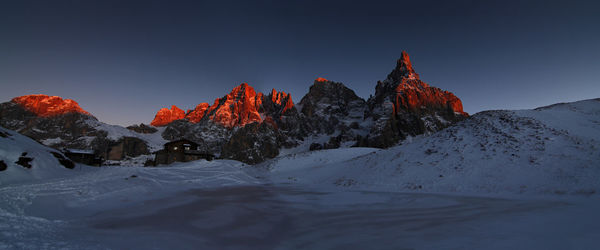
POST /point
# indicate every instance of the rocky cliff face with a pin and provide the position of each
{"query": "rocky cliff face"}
(198, 113)
(166, 116)
(403, 105)
(238, 108)
(335, 110)
(242, 106)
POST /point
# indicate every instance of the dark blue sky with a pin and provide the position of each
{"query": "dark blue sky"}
(124, 60)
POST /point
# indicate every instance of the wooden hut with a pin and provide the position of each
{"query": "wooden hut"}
(180, 151)
(83, 156)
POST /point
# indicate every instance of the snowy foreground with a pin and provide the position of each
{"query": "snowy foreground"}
(500, 180)
(221, 205)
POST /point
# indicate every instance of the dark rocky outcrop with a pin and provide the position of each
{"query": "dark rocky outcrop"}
(24, 161)
(3, 166)
(143, 129)
(252, 144)
(333, 109)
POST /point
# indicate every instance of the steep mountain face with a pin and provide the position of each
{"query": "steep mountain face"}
(166, 116)
(63, 124)
(335, 110)
(242, 106)
(403, 105)
(238, 108)
(198, 113)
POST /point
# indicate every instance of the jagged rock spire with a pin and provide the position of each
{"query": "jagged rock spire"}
(242, 106)
(403, 70)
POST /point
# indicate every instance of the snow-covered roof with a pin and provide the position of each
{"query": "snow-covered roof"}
(79, 151)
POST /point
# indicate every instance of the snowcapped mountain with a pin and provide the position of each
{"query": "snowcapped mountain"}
(61, 123)
(23, 159)
(548, 150)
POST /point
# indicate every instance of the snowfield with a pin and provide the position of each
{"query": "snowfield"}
(550, 150)
(526, 179)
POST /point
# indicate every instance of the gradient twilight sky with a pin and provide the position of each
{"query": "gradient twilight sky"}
(124, 60)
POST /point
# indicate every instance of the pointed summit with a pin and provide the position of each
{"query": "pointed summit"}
(404, 69)
(238, 108)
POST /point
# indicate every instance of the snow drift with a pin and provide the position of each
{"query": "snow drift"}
(23, 159)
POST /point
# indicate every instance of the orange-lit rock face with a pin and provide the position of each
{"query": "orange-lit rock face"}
(282, 99)
(45, 106)
(413, 99)
(166, 116)
(321, 79)
(413, 94)
(240, 107)
(198, 113)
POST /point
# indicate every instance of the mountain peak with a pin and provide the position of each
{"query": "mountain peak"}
(45, 106)
(242, 106)
(408, 93)
(282, 99)
(321, 79)
(404, 69)
(166, 116)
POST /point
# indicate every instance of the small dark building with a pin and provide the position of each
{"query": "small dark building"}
(181, 150)
(83, 156)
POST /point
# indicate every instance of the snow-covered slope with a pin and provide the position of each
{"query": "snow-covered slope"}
(549, 150)
(23, 159)
(155, 141)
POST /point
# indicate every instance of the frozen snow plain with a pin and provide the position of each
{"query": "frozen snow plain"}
(503, 179)
(221, 205)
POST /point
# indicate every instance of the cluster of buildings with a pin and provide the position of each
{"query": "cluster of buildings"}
(182, 150)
